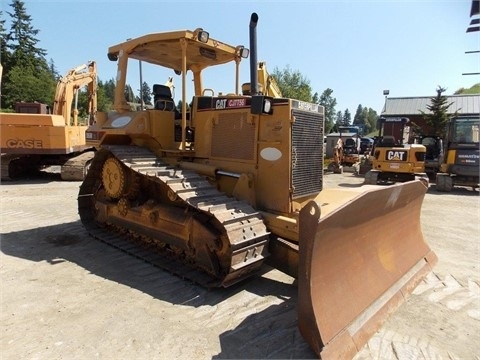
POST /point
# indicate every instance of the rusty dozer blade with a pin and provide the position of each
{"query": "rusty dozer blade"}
(358, 263)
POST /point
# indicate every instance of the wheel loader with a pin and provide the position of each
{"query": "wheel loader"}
(37, 136)
(214, 193)
(461, 160)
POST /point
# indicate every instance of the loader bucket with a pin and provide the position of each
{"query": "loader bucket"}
(358, 263)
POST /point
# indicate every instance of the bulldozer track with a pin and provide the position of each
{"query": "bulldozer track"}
(242, 225)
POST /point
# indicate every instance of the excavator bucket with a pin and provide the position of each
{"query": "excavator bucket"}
(358, 261)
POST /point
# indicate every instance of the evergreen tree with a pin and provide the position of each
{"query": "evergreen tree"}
(438, 117)
(24, 84)
(347, 118)
(338, 121)
(22, 38)
(4, 54)
(27, 76)
(329, 103)
(109, 88)
(358, 118)
(104, 100)
(371, 121)
(129, 95)
(53, 69)
(179, 106)
(146, 94)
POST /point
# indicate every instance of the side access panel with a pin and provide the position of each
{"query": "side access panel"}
(358, 263)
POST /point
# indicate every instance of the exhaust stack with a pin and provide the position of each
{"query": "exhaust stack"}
(253, 55)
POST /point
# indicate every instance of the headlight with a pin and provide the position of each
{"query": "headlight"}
(203, 36)
(267, 106)
(261, 105)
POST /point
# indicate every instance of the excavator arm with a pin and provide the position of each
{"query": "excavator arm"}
(270, 86)
(67, 91)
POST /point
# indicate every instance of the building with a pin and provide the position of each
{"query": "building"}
(412, 108)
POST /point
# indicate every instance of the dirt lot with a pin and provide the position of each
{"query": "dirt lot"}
(65, 295)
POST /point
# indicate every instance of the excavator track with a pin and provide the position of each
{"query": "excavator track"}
(76, 168)
(14, 166)
(240, 229)
(5, 166)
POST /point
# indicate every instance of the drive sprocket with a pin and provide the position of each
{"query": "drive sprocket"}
(114, 178)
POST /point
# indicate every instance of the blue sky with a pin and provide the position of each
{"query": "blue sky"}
(356, 48)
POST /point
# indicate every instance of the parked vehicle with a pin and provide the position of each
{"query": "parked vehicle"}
(36, 136)
(393, 159)
(461, 164)
(366, 144)
(213, 193)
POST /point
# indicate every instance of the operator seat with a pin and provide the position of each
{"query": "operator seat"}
(162, 98)
(388, 141)
(350, 146)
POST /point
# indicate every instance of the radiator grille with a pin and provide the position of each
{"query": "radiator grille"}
(229, 132)
(307, 153)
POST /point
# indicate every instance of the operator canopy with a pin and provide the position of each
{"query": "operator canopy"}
(166, 49)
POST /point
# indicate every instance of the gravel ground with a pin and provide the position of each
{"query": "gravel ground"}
(65, 295)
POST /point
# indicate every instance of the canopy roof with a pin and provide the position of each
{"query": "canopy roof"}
(165, 49)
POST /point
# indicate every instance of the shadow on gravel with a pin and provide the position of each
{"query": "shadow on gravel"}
(271, 333)
(347, 185)
(457, 190)
(41, 177)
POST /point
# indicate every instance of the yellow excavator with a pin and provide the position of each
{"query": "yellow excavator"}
(393, 158)
(35, 136)
(214, 193)
(267, 84)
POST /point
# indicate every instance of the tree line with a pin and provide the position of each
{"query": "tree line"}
(28, 76)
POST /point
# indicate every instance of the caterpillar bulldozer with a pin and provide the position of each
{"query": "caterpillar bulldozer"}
(214, 193)
(36, 136)
(392, 158)
(461, 160)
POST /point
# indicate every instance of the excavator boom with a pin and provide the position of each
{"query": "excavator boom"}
(67, 90)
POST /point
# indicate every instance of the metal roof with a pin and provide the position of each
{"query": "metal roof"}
(463, 104)
(166, 49)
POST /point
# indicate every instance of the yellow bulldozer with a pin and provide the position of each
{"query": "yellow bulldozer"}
(36, 136)
(213, 193)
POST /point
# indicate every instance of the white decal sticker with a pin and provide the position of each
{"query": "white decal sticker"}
(270, 154)
(121, 121)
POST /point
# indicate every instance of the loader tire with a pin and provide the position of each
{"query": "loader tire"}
(371, 177)
(444, 183)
